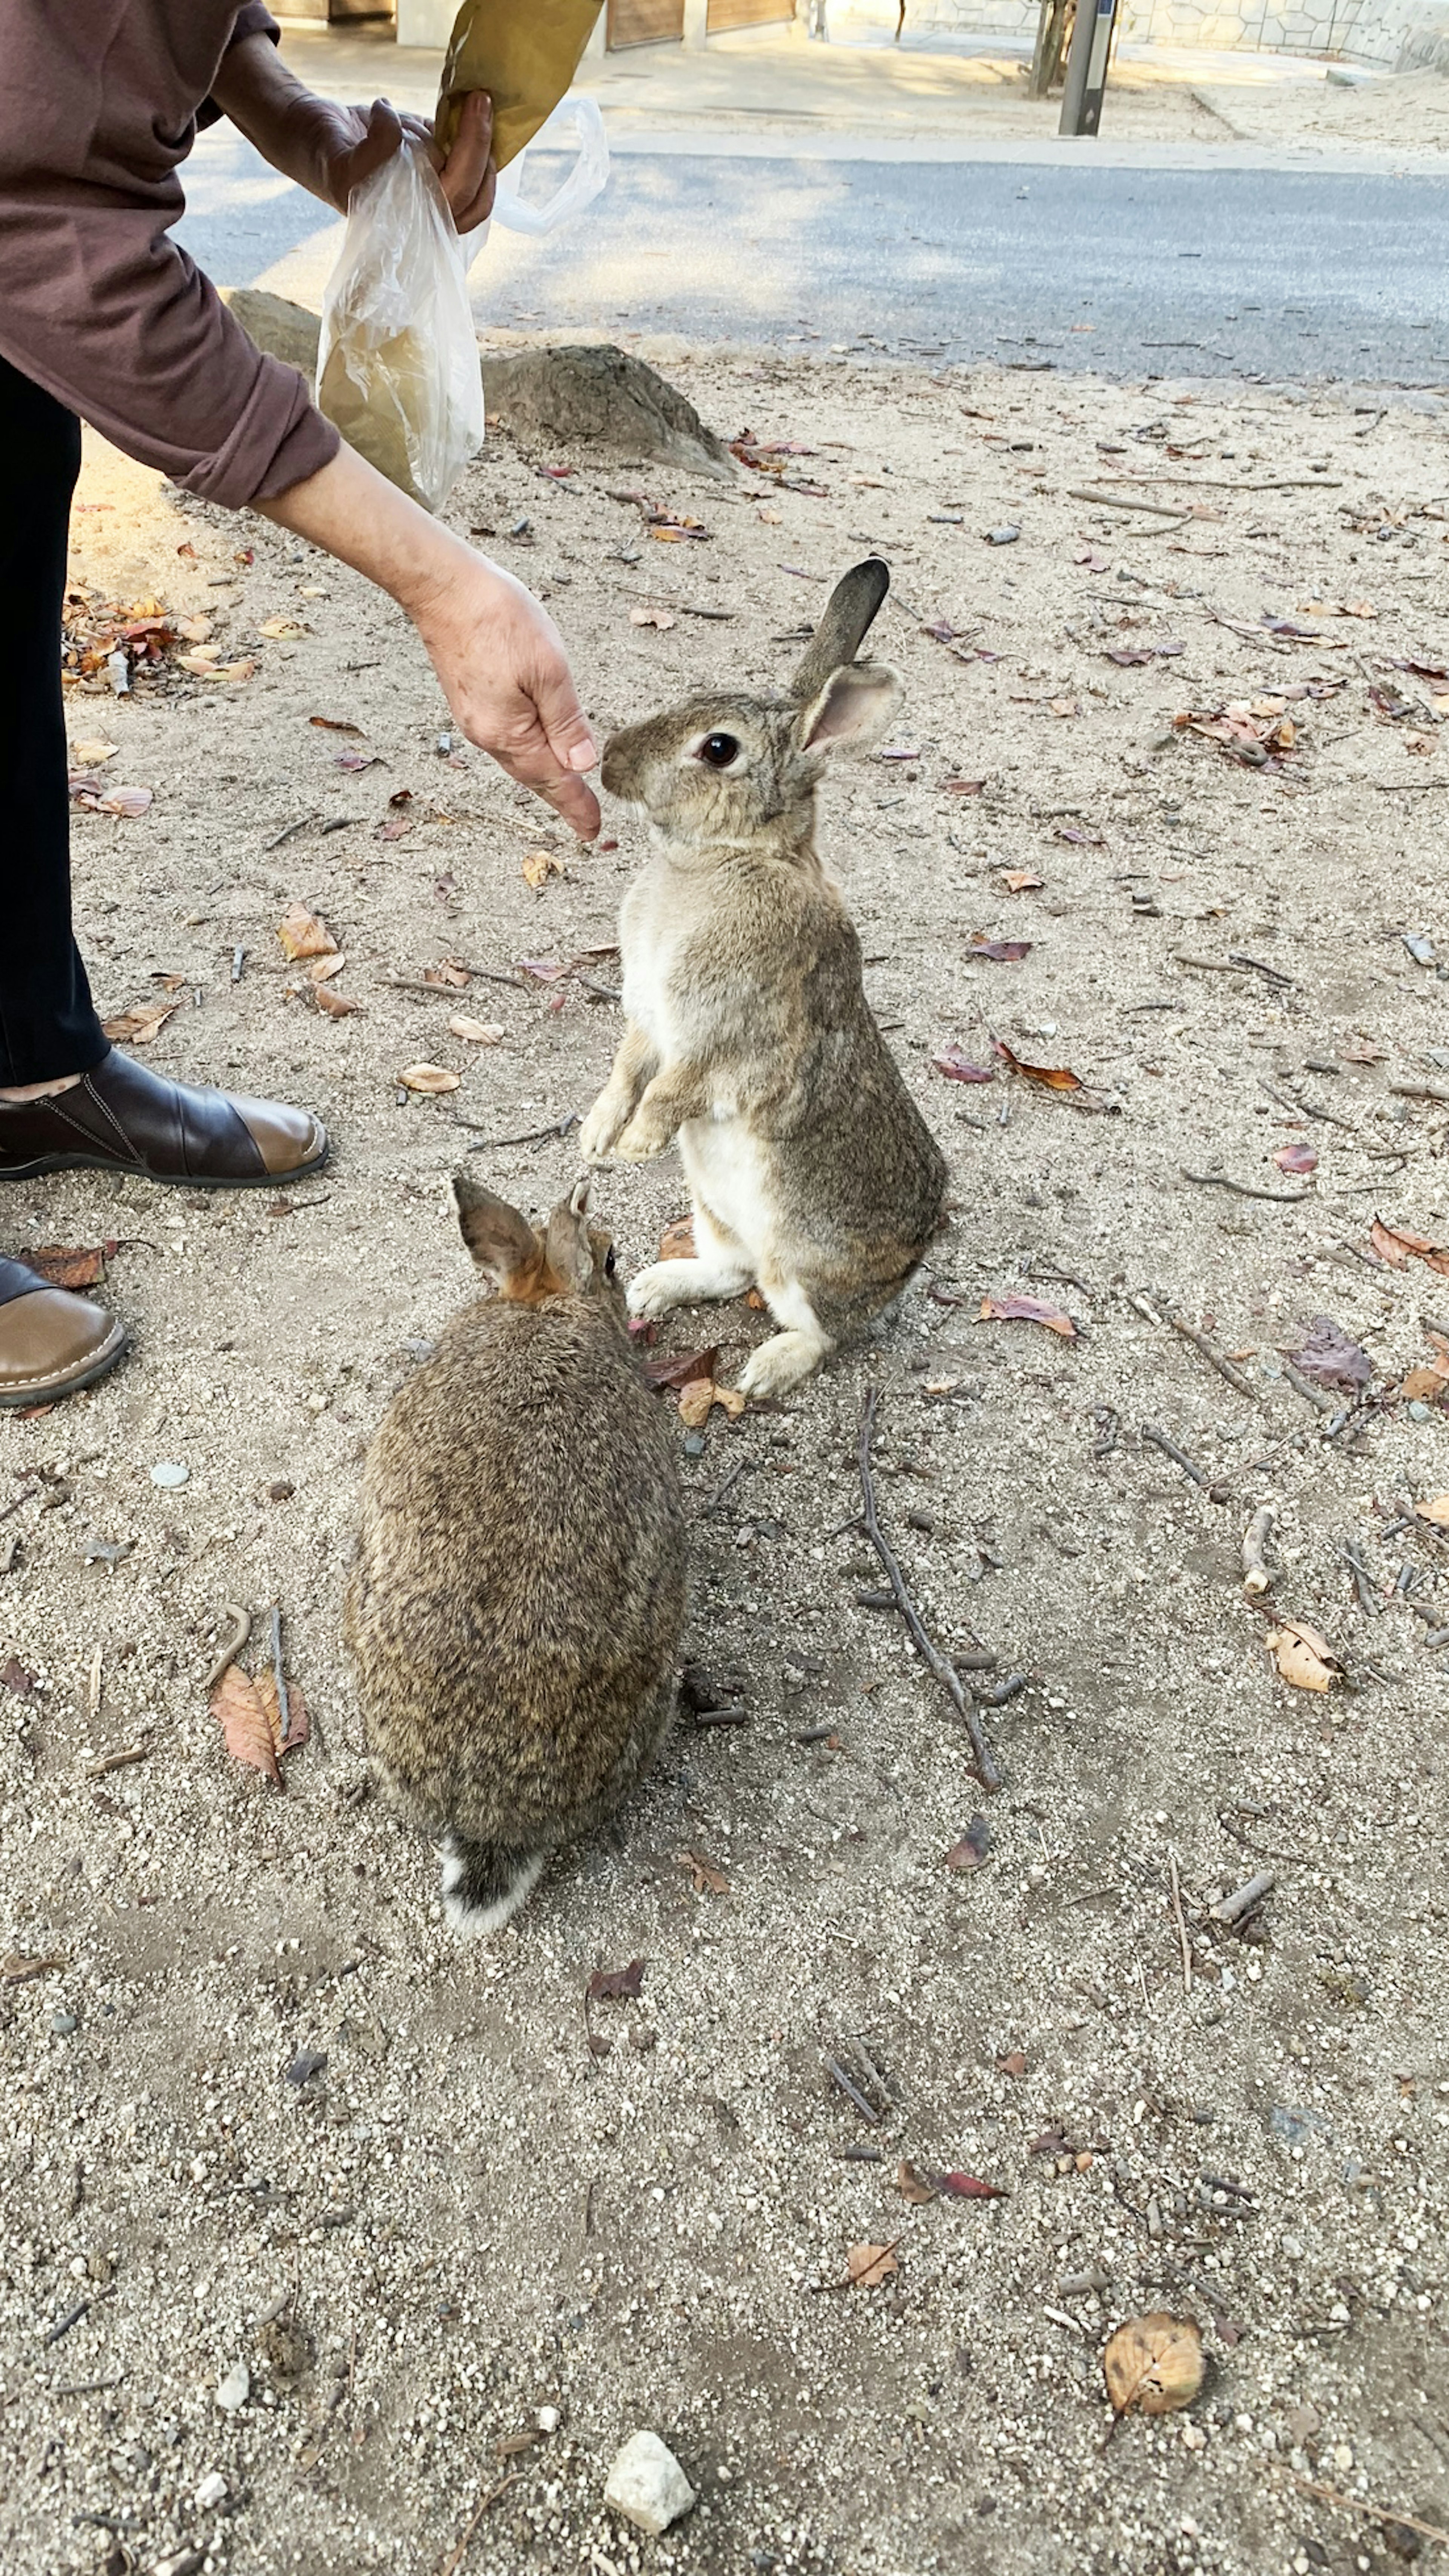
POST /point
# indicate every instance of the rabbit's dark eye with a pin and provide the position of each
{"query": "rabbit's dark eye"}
(610, 1263)
(718, 749)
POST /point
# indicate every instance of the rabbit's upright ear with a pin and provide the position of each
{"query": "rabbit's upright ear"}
(853, 709)
(849, 615)
(568, 1244)
(502, 1242)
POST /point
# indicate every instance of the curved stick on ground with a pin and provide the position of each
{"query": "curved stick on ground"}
(1256, 1577)
(930, 1654)
(237, 1636)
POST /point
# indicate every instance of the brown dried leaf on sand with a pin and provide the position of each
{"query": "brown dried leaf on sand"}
(676, 1243)
(1395, 1244)
(80, 1265)
(139, 1026)
(337, 1006)
(1154, 2364)
(477, 1032)
(1028, 1310)
(302, 934)
(1303, 1657)
(868, 2266)
(1435, 1510)
(247, 1712)
(708, 1879)
(539, 866)
(431, 1078)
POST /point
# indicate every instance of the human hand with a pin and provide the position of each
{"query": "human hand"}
(506, 678)
(349, 143)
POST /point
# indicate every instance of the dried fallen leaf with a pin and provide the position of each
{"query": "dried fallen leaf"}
(676, 1243)
(14, 1677)
(431, 1078)
(337, 1006)
(1429, 1382)
(973, 1848)
(1300, 1157)
(962, 786)
(247, 1712)
(1028, 1310)
(913, 2186)
(539, 866)
(1395, 1244)
(958, 1068)
(449, 973)
(91, 755)
(1436, 1509)
(964, 2186)
(663, 617)
(1154, 2364)
(1001, 952)
(477, 1032)
(1304, 1658)
(1056, 1077)
(681, 1367)
(1013, 2063)
(708, 1879)
(615, 1985)
(323, 969)
(1021, 880)
(137, 1027)
(867, 2266)
(1330, 1358)
(19, 1969)
(303, 934)
(1362, 1050)
(335, 724)
(71, 1266)
(698, 1399)
(282, 630)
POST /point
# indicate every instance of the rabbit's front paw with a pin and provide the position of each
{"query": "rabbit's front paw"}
(643, 1138)
(659, 1289)
(599, 1130)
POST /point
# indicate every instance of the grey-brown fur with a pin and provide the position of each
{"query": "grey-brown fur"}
(519, 1587)
(749, 1037)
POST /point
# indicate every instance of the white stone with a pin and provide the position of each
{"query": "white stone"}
(167, 1472)
(234, 2389)
(647, 2485)
(549, 2419)
(212, 2491)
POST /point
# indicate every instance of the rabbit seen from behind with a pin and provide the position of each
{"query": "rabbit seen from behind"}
(749, 1036)
(516, 1601)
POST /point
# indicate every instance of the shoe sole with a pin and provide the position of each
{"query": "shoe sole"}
(164, 1180)
(52, 1390)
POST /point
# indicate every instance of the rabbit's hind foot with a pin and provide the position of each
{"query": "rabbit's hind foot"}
(667, 1284)
(483, 1884)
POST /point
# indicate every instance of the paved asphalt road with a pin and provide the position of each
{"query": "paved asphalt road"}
(1288, 275)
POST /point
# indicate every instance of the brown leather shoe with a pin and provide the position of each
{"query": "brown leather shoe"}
(122, 1118)
(51, 1343)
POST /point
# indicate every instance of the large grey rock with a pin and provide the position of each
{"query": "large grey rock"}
(594, 395)
(647, 2485)
(280, 330)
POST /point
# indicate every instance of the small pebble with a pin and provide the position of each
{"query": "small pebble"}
(548, 2419)
(63, 2023)
(1002, 536)
(234, 2388)
(212, 2491)
(166, 1472)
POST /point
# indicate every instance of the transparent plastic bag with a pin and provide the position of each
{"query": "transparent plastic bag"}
(574, 118)
(397, 367)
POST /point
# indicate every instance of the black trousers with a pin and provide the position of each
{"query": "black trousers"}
(47, 1024)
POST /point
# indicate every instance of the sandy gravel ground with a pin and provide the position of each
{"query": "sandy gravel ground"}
(258, 2108)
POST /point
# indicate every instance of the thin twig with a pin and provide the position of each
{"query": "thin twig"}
(1179, 1457)
(930, 1654)
(1317, 1396)
(1245, 1189)
(1244, 1898)
(284, 1712)
(117, 1761)
(853, 2093)
(1274, 974)
(237, 1635)
(531, 1136)
(1181, 1926)
(459, 2551)
(1215, 1358)
(1256, 1577)
(1371, 2512)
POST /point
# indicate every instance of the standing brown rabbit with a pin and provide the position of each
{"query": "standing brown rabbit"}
(519, 1586)
(812, 1172)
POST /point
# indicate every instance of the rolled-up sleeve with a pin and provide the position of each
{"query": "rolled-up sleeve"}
(97, 303)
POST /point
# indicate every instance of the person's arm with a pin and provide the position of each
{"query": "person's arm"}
(495, 650)
(329, 149)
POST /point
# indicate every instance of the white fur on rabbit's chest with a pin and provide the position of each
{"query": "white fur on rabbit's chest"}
(727, 1171)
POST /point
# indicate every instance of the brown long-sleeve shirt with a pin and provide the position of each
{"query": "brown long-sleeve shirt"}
(99, 102)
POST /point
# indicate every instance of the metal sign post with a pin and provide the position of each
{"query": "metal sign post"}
(1087, 66)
